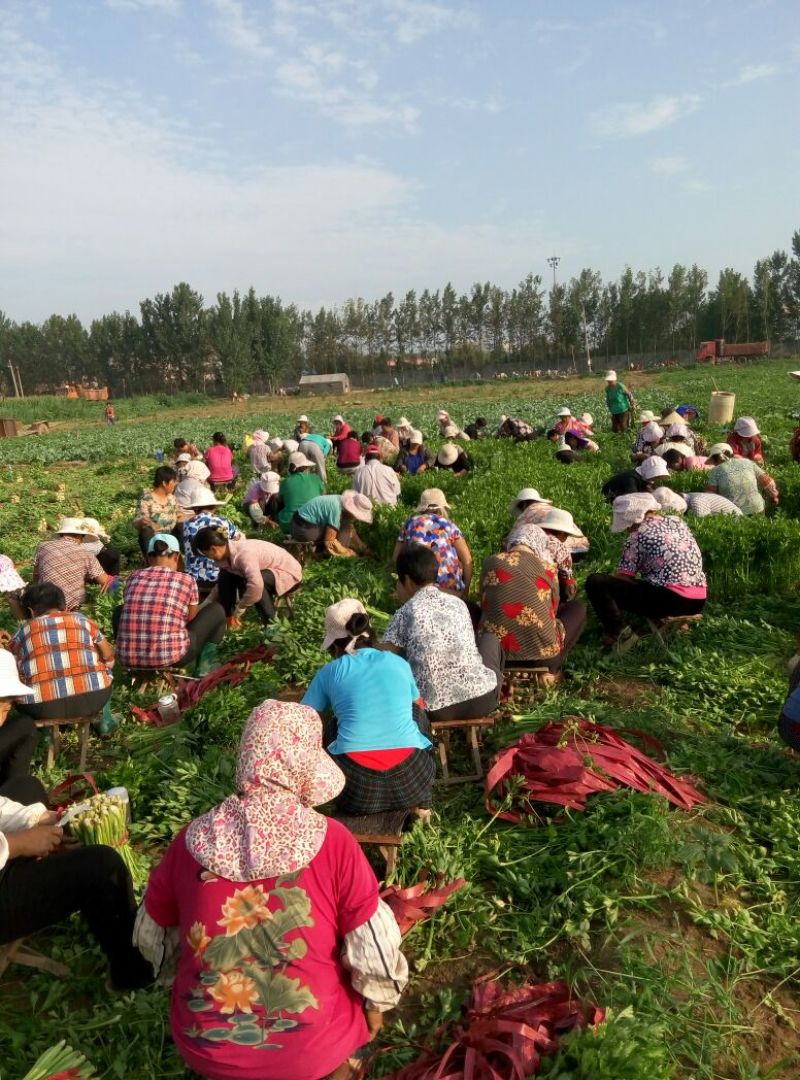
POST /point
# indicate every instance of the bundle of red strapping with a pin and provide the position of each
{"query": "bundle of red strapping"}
(417, 902)
(566, 763)
(505, 1033)
(231, 673)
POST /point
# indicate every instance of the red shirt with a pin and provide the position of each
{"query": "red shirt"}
(348, 452)
(220, 463)
(263, 957)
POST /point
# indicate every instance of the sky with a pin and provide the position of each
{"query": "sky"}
(325, 149)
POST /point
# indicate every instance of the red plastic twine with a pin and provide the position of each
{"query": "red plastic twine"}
(417, 902)
(566, 763)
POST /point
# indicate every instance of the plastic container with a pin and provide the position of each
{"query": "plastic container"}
(722, 406)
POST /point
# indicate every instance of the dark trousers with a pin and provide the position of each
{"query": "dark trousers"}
(68, 708)
(208, 626)
(110, 559)
(17, 743)
(305, 531)
(573, 618)
(37, 893)
(473, 708)
(610, 596)
(620, 421)
(231, 586)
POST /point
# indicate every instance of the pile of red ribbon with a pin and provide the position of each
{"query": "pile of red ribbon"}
(505, 1033)
(232, 672)
(417, 902)
(565, 763)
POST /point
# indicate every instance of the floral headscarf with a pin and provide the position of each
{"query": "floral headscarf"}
(270, 827)
(526, 534)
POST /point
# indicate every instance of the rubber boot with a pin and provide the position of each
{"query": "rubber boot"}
(207, 660)
(107, 723)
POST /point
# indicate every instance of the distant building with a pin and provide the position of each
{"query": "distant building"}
(325, 384)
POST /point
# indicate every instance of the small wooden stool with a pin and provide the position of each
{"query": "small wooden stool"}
(442, 728)
(384, 830)
(287, 601)
(17, 953)
(531, 676)
(82, 723)
(156, 677)
(301, 549)
(663, 629)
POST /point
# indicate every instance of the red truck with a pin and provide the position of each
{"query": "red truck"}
(723, 350)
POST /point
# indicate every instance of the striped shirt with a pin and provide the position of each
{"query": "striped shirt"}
(57, 656)
(68, 565)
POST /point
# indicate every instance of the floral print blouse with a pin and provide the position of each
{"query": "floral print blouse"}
(663, 551)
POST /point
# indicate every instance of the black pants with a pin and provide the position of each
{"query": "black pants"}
(37, 893)
(473, 708)
(17, 743)
(620, 421)
(231, 586)
(68, 708)
(610, 596)
(208, 626)
(110, 559)
(573, 618)
(306, 531)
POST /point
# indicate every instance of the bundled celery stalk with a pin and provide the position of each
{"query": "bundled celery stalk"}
(60, 1062)
(105, 821)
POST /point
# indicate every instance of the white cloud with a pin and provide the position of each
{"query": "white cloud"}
(112, 203)
(753, 73)
(169, 6)
(628, 120)
(669, 166)
(412, 20)
(239, 30)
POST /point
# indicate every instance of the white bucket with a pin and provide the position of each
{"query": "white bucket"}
(722, 406)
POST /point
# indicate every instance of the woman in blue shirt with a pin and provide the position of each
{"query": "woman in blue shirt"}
(381, 744)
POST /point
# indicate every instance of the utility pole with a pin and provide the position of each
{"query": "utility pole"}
(553, 262)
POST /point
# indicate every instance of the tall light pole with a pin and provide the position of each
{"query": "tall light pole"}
(553, 262)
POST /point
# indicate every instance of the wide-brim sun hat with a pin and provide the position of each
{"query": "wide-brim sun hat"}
(652, 432)
(337, 420)
(201, 499)
(560, 521)
(259, 435)
(611, 376)
(10, 581)
(415, 437)
(647, 416)
(182, 457)
(448, 454)
(337, 617)
(94, 528)
(451, 431)
(432, 499)
(794, 374)
(72, 526)
(746, 427)
(170, 540)
(527, 495)
(403, 422)
(632, 509)
(587, 419)
(442, 415)
(652, 467)
(565, 411)
(357, 506)
(10, 684)
(291, 446)
(298, 460)
(683, 449)
(720, 449)
(302, 419)
(270, 483)
(680, 430)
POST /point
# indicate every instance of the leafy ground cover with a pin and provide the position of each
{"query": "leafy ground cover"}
(684, 924)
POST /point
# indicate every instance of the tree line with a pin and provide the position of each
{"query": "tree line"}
(246, 342)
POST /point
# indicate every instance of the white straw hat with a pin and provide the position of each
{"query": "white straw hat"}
(302, 419)
(290, 445)
(447, 455)
(10, 685)
(652, 467)
(336, 619)
(720, 449)
(403, 422)
(587, 419)
(564, 411)
(269, 482)
(746, 427)
(72, 526)
(182, 457)
(358, 506)
(560, 521)
(204, 497)
(298, 460)
(631, 510)
(432, 499)
(646, 416)
(94, 528)
(611, 376)
(415, 437)
(526, 495)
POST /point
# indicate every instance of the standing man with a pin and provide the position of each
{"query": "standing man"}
(620, 403)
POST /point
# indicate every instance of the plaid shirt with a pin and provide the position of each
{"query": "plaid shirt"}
(57, 656)
(202, 569)
(152, 629)
(69, 566)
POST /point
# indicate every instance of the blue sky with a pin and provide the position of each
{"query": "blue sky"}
(322, 149)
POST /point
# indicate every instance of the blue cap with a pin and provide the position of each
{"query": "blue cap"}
(168, 539)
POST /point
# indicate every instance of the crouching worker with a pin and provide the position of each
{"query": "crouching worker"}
(65, 658)
(664, 554)
(329, 522)
(433, 631)
(286, 956)
(161, 623)
(382, 742)
(252, 573)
